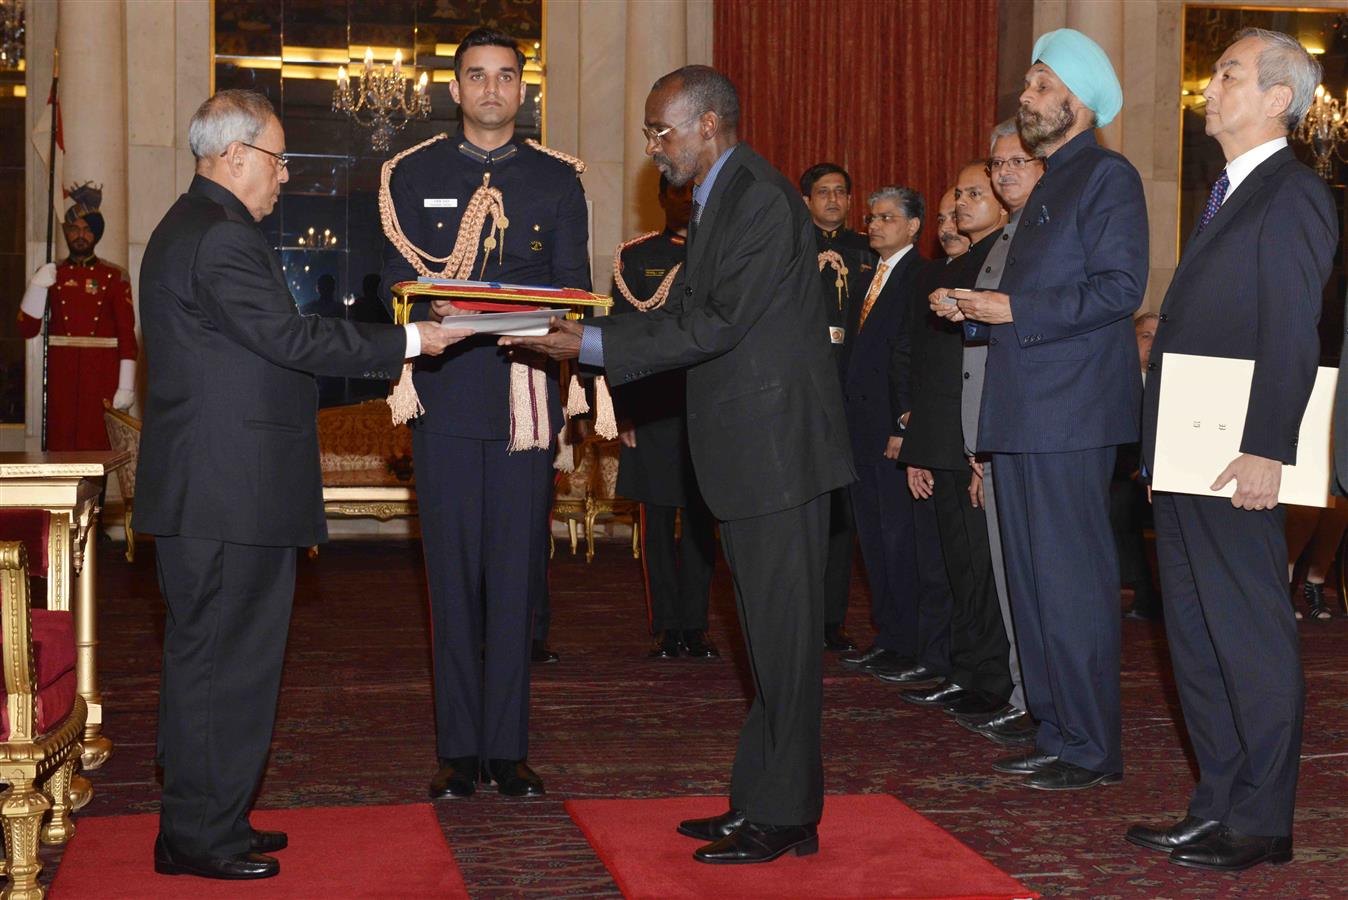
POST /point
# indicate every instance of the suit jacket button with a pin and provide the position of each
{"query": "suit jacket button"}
(1151, 367)
(966, 375)
(992, 340)
(687, 291)
(1163, 317)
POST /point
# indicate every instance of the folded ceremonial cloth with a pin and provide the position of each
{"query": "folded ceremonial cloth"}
(1085, 68)
(529, 425)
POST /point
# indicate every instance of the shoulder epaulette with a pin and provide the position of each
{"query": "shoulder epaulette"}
(572, 161)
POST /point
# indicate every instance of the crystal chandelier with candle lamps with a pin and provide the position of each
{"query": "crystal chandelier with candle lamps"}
(381, 99)
(1325, 129)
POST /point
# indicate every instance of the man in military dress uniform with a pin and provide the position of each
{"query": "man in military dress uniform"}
(482, 449)
(92, 340)
(846, 264)
(656, 467)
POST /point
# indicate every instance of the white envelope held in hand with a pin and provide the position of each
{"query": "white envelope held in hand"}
(1201, 420)
(526, 323)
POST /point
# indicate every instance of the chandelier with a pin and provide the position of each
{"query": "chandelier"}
(1325, 129)
(11, 34)
(381, 99)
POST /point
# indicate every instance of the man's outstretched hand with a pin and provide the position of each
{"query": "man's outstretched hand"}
(561, 342)
(435, 338)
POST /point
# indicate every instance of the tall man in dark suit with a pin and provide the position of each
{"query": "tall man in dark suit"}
(1062, 392)
(877, 407)
(846, 264)
(1248, 287)
(228, 476)
(655, 466)
(766, 432)
(484, 469)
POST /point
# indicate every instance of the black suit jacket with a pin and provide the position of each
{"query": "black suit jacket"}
(765, 422)
(875, 400)
(935, 435)
(229, 448)
(1249, 286)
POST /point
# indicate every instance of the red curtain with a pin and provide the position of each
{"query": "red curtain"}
(896, 91)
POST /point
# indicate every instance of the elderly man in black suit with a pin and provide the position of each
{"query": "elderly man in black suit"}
(228, 477)
(1248, 286)
(766, 431)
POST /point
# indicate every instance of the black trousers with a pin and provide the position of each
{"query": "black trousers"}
(480, 508)
(1128, 514)
(540, 597)
(978, 644)
(1233, 642)
(1062, 575)
(228, 613)
(884, 517)
(842, 538)
(777, 562)
(678, 573)
(935, 602)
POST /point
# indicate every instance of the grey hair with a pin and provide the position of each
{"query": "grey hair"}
(1005, 128)
(905, 198)
(707, 90)
(1284, 61)
(229, 116)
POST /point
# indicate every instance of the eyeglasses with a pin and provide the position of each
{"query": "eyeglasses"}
(282, 159)
(884, 218)
(1014, 163)
(658, 136)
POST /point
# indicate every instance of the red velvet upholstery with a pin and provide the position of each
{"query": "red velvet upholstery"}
(54, 652)
(30, 526)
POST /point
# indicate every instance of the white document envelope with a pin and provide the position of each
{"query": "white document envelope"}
(1201, 419)
(526, 323)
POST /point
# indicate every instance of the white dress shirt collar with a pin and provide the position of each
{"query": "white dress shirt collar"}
(1238, 169)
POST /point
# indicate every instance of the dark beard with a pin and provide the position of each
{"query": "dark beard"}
(1038, 130)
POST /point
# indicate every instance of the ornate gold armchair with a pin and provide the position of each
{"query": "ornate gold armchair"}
(124, 434)
(588, 493)
(40, 726)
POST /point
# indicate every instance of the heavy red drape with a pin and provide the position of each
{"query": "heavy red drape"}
(896, 91)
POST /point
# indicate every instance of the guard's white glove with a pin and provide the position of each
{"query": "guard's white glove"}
(35, 298)
(126, 385)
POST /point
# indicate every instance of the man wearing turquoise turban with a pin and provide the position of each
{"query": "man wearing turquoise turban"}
(1062, 391)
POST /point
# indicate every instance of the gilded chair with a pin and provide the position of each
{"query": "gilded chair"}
(570, 501)
(41, 724)
(604, 499)
(124, 434)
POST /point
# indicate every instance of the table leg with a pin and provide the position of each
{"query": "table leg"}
(97, 747)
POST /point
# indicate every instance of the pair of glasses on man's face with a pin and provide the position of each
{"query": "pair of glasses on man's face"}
(882, 218)
(1014, 163)
(282, 159)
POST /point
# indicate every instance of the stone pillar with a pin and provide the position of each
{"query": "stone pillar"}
(1102, 22)
(91, 39)
(657, 43)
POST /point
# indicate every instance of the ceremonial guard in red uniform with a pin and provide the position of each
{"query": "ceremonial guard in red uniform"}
(92, 339)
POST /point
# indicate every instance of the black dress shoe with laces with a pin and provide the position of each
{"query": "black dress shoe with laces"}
(1177, 834)
(975, 721)
(753, 843)
(267, 841)
(1227, 850)
(876, 656)
(696, 645)
(975, 703)
(713, 828)
(457, 777)
(837, 640)
(1063, 776)
(913, 675)
(938, 695)
(1015, 730)
(513, 778)
(239, 867)
(1024, 763)
(539, 653)
(666, 646)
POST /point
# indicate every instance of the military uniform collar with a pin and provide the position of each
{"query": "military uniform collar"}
(89, 262)
(675, 238)
(1070, 149)
(486, 157)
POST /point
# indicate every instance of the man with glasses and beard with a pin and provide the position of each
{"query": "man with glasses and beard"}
(1062, 392)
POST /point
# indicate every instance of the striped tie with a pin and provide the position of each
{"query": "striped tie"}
(1214, 200)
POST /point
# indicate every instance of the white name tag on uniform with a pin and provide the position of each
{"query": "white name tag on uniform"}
(441, 202)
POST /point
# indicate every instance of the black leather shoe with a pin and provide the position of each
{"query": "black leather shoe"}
(917, 674)
(457, 777)
(540, 653)
(888, 664)
(1024, 763)
(1177, 834)
(975, 721)
(753, 843)
(873, 656)
(240, 867)
(1227, 850)
(1063, 776)
(974, 702)
(938, 695)
(268, 841)
(666, 646)
(696, 645)
(513, 778)
(1016, 730)
(713, 828)
(837, 640)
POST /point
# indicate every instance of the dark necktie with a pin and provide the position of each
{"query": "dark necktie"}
(1214, 200)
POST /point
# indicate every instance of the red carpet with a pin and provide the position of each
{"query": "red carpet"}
(871, 846)
(335, 851)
